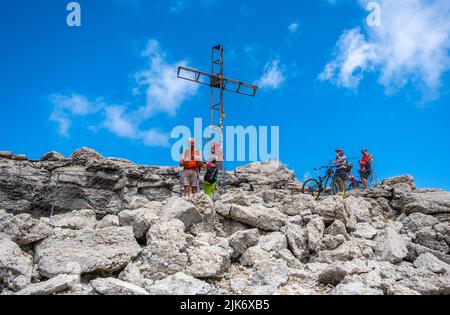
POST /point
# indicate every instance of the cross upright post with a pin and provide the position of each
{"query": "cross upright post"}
(218, 84)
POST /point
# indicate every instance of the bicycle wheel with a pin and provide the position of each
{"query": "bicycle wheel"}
(311, 186)
(338, 187)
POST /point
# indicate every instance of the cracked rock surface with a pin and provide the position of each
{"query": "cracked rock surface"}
(121, 229)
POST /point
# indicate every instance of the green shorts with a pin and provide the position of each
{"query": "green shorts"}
(209, 188)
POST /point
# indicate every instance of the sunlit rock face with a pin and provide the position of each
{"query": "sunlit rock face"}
(91, 225)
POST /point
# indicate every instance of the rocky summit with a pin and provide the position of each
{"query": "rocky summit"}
(89, 225)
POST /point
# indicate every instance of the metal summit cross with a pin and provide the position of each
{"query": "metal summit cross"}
(216, 81)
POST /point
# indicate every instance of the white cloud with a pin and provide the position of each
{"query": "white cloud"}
(353, 55)
(410, 47)
(117, 123)
(123, 125)
(293, 27)
(165, 92)
(67, 106)
(159, 83)
(155, 138)
(273, 76)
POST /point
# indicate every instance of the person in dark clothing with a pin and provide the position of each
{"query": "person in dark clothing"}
(365, 170)
(341, 165)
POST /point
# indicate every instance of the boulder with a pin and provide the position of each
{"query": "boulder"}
(112, 286)
(53, 286)
(397, 289)
(242, 240)
(331, 242)
(178, 208)
(263, 218)
(254, 256)
(404, 179)
(430, 238)
(355, 288)
(432, 203)
(52, 157)
(390, 246)
(23, 229)
(337, 228)
(418, 221)
(299, 204)
(76, 220)
(360, 208)
(209, 261)
(86, 251)
(365, 231)
(297, 237)
(84, 155)
(346, 252)
(315, 230)
(140, 220)
(15, 266)
(165, 253)
(275, 241)
(180, 284)
(430, 262)
(334, 208)
(108, 220)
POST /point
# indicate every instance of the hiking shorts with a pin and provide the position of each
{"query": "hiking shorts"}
(365, 174)
(341, 174)
(190, 178)
(209, 188)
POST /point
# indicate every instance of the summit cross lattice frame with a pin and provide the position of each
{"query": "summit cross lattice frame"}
(218, 84)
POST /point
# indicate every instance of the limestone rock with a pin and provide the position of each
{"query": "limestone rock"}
(180, 284)
(434, 202)
(209, 261)
(390, 246)
(356, 288)
(23, 229)
(299, 205)
(261, 236)
(165, 253)
(298, 240)
(76, 220)
(431, 263)
(334, 208)
(112, 286)
(418, 221)
(53, 286)
(178, 208)
(360, 208)
(109, 220)
(86, 251)
(365, 230)
(404, 179)
(331, 242)
(315, 230)
(274, 241)
(254, 256)
(140, 220)
(263, 218)
(242, 240)
(15, 266)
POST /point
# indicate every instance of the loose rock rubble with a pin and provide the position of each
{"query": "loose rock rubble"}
(122, 229)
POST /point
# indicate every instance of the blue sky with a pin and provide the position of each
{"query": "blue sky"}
(326, 78)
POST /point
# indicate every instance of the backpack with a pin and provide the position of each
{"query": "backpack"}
(211, 175)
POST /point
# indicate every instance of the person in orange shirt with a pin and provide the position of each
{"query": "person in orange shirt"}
(191, 162)
(366, 168)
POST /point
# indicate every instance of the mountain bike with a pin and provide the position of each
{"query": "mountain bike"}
(329, 182)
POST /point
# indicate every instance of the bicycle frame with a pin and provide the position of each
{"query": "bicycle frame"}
(328, 175)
